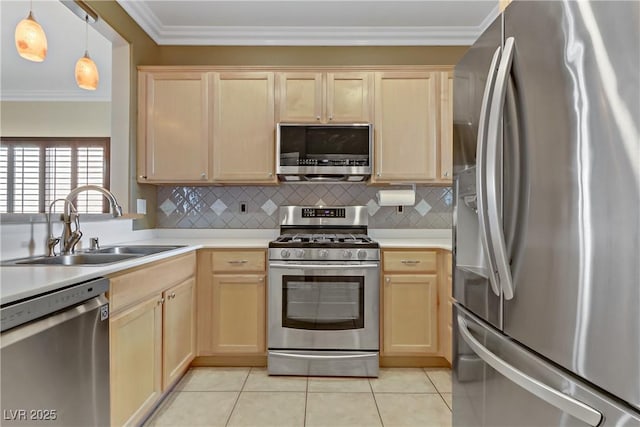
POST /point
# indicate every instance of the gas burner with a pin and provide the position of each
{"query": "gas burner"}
(324, 233)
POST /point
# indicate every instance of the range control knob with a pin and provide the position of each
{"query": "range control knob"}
(299, 253)
(285, 253)
(362, 254)
(323, 253)
(347, 254)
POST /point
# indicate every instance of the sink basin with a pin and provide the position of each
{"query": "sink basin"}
(77, 259)
(106, 255)
(134, 250)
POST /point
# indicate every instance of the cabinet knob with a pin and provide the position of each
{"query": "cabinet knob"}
(378, 174)
(270, 174)
(261, 279)
(143, 177)
(203, 175)
(446, 173)
(330, 117)
(161, 301)
(388, 280)
(173, 295)
(318, 118)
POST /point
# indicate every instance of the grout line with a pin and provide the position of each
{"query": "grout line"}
(445, 402)
(431, 381)
(306, 397)
(237, 398)
(375, 401)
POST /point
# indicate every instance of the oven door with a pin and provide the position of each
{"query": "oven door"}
(321, 305)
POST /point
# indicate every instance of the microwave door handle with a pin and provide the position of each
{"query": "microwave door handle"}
(550, 395)
(322, 266)
(493, 132)
(481, 174)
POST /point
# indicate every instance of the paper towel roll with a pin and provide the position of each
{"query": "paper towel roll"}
(396, 197)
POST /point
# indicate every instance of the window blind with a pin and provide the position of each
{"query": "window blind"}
(36, 171)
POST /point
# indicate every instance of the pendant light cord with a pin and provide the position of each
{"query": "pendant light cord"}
(86, 34)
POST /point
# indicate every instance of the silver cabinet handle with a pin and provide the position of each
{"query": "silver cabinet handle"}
(481, 174)
(238, 262)
(316, 356)
(161, 301)
(143, 177)
(203, 175)
(173, 295)
(550, 395)
(493, 209)
(410, 261)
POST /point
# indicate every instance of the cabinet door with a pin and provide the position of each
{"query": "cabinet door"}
(410, 314)
(179, 331)
(446, 126)
(243, 128)
(349, 97)
(300, 97)
(405, 126)
(238, 314)
(136, 357)
(174, 127)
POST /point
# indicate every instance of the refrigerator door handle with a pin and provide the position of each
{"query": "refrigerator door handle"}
(481, 174)
(495, 115)
(550, 395)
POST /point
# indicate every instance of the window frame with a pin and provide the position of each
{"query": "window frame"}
(47, 142)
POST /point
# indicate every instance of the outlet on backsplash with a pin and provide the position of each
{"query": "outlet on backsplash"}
(399, 209)
(243, 207)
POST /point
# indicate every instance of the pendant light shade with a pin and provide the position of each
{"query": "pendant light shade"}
(31, 42)
(87, 75)
(86, 70)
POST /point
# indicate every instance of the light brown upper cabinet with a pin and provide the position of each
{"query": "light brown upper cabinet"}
(446, 126)
(406, 126)
(243, 127)
(173, 127)
(331, 97)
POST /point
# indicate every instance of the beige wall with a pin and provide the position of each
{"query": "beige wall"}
(143, 50)
(310, 55)
(63, 119)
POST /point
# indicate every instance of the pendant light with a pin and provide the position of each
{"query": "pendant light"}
(86, 70)
(31, 42)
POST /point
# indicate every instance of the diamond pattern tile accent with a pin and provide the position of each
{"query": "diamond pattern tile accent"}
(320, 202)
(423, 207)
(168, 207)
(208, 207)
(218, 207)
(269, 207)
(372, 207)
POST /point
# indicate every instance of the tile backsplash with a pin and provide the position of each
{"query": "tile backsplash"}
(220, 207)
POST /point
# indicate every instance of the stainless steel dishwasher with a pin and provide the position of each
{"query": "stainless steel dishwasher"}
(54, 357)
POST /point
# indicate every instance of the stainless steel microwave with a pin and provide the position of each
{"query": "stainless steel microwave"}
(324, 152)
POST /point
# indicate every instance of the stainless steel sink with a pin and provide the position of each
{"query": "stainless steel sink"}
(106, 255)
(77, 259)
(134, 250)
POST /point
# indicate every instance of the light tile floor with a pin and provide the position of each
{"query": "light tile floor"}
(399, 397)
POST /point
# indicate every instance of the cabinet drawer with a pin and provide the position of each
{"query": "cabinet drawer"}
(409, 261)
(134, 285)
(231, 261)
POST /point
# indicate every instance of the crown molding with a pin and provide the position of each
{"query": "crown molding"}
(52, 96)
(302, 36)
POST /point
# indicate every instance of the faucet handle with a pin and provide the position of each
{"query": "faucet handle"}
(51, 245)
(94, 244)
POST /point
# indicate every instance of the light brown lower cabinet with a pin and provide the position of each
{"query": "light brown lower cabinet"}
(152, 334)
(232, 307)
(414, 298)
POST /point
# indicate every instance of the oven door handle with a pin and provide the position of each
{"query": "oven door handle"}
(322, 266)
(321, 356)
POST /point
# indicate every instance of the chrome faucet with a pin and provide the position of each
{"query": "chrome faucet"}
(70, 238)
(53, 241)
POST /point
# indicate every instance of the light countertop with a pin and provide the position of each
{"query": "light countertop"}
(19, 282)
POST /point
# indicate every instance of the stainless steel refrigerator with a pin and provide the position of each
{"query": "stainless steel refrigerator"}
(547, 218)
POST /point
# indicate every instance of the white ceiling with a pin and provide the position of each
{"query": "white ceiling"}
(54, 78)
(312, 22)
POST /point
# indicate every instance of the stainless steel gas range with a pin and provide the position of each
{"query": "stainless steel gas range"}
(324, 274)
